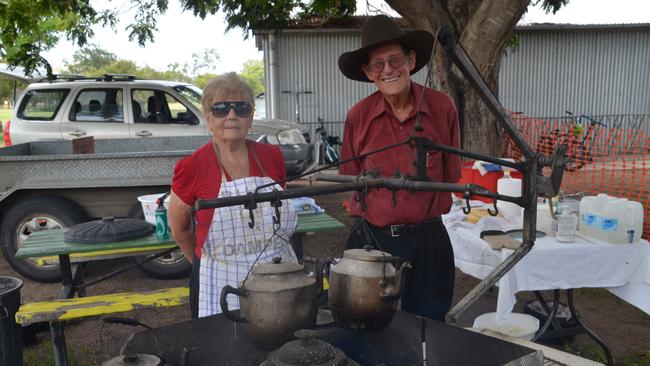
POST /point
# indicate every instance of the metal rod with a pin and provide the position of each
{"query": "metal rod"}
(464, 64)
(313, 171)
(489, 281)
(476, 156)
(354, 184)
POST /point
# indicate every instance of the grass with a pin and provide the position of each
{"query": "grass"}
(42, 354)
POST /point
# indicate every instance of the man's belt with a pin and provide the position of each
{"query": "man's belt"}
(409, 229)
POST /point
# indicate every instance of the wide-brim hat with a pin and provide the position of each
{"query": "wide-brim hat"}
(379, 30)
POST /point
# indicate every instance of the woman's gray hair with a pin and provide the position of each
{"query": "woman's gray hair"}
(228, 87)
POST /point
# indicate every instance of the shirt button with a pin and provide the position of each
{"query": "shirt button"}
(401, 128)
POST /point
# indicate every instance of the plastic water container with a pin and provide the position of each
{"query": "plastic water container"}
(611, 219)
(510, 187)
(149, 206)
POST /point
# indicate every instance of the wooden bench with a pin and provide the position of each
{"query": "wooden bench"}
(57, 311)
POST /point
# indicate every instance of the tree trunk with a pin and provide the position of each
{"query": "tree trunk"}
(483, 28)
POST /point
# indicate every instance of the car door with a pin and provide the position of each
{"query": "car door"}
(158, 113)
(97, 112)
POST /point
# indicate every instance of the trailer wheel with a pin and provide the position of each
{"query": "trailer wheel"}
(36, 214)
(172, 265)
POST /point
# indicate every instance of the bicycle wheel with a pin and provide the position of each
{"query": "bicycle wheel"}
(576, 153)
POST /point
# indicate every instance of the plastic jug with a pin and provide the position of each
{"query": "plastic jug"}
(611, 219)
(510, 187)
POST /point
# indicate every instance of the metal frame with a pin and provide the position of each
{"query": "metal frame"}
(534, 183)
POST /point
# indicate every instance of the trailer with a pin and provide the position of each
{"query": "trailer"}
(44, 185)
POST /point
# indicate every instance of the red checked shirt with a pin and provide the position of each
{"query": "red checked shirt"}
(371, 125)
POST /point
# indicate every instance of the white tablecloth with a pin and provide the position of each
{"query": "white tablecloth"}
(623, 269)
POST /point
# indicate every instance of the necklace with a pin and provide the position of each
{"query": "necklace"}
(244, 170)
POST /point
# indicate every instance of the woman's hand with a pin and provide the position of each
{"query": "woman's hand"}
(179, 216)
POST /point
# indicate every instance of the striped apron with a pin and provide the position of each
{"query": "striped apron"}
(231, 247)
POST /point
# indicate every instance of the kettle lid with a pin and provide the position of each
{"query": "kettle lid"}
(136, 359)
(307, 350)
(276, 267)
(367, 254)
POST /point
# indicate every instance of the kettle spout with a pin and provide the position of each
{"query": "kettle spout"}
(394, 291)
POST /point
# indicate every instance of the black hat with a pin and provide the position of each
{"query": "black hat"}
(380, 30)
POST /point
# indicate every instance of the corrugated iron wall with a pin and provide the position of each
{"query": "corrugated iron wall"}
(308, 62)
(593, 72)
(587, 71)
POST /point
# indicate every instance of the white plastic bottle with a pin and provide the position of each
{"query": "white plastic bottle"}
(509, 186)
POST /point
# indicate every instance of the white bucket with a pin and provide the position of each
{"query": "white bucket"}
(517, 325)
(149, 206)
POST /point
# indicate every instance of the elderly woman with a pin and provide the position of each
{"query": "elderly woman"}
(223, 247)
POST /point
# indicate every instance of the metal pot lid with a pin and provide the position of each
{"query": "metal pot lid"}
(276, 267)
(137, 359)
(367, 254)
(108, 230)
(307, 350)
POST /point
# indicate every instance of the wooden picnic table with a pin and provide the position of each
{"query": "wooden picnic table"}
(50, 245)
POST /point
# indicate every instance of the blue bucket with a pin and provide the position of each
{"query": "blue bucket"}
(11, 339)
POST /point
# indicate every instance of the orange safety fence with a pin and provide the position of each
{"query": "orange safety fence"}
(608, 160)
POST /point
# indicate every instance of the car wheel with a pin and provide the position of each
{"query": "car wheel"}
(169, 266)
(36, 214)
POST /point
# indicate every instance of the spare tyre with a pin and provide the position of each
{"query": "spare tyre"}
(30, 215)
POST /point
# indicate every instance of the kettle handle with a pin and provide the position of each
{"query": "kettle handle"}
(323, 275)
(227, 289)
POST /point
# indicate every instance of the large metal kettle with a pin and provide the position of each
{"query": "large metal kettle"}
(365, 287)
(276, 300)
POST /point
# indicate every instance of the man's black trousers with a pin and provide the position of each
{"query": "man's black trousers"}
(429, 286)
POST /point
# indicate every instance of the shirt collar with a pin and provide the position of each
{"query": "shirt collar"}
(381, 106)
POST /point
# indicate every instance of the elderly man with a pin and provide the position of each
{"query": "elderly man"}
(405, 224)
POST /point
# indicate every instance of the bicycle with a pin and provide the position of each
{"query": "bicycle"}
(330, 154)
(578, 141)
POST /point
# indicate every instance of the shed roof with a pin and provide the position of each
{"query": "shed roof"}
(354, 23)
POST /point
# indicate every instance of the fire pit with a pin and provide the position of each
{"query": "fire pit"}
(217, 341)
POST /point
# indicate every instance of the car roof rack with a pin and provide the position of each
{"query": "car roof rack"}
(105, 77)
(120, 77)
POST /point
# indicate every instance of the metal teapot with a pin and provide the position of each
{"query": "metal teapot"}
(365, 288)
(276, 300)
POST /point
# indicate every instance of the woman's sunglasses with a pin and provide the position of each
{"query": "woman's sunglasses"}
(221, 109)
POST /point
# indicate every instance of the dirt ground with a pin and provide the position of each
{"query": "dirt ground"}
(624, 328)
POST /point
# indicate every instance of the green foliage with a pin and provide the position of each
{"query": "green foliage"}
(551, 6)
(202, 61)
(640, 359)
(202, 80)
(253, 73)
(90, 59)
(29, 28)
(7, 90)
(94, 61)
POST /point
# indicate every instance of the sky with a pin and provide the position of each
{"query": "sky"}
(180, 34)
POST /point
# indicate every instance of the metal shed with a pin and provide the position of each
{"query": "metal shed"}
(591, 69)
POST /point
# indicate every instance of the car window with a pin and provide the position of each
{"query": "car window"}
(42, 104)
(191, 93)
(98, 105)
(157, 106)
